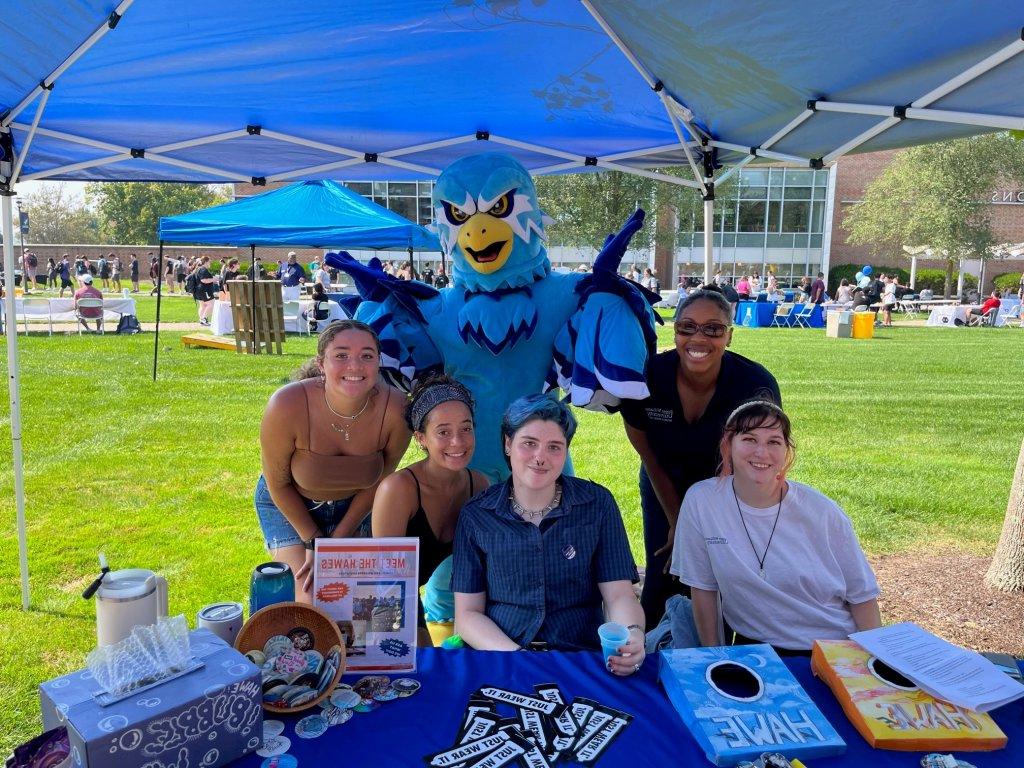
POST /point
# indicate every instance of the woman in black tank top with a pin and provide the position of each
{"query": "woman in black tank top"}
(424, 499)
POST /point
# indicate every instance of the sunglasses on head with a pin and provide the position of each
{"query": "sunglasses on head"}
(710, 330)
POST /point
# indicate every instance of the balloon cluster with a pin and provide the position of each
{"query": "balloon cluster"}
(862, 278)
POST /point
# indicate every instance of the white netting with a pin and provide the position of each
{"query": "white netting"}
(150, 653)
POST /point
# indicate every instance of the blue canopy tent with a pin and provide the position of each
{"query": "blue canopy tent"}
(217, 91)
(318, 214)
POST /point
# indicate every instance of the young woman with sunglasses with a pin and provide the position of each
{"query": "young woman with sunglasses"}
(677, 429)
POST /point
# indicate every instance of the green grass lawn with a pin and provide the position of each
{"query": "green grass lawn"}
(915, 434)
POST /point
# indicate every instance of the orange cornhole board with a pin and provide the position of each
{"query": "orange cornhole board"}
(894, 716)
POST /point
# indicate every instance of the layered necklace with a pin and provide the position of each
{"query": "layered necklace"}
(760, 558)
(344, 427)
(533, 514)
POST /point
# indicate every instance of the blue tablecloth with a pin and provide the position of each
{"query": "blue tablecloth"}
(402, 731)
(759, 314)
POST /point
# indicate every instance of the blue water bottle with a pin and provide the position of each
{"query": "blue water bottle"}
(271, 583)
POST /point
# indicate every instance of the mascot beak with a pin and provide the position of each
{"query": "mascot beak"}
(486, 242)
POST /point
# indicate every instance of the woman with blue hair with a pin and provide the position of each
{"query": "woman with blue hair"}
(541, 560)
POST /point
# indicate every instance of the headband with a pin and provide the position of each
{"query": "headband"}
(433, 396)
(750, 404)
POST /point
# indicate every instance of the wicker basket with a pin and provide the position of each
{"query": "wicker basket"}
(279, 619)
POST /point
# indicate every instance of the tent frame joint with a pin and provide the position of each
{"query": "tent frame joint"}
(710, 193)
(370, 157)
(900, 111)
(483, 135)
(590, 160)
(258, 181)
(137, 152)
(113, 20)
(254, 130)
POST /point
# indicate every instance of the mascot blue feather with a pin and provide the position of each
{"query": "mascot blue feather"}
(508, 326)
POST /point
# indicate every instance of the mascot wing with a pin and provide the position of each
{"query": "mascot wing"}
(395, 309)
(601, 353)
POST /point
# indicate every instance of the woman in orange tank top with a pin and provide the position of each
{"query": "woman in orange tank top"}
(327, 440)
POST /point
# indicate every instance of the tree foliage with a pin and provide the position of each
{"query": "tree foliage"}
(129, 212)
(56, 215)
(586, 207)
(935, 195)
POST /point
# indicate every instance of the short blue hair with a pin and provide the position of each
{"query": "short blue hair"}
(542, 407)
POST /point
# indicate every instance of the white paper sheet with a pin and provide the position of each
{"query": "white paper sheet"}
(944, 670)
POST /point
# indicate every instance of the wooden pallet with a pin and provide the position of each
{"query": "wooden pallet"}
(206, 340)
(257, 311)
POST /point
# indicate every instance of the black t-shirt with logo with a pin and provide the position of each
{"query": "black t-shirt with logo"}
(689, 452)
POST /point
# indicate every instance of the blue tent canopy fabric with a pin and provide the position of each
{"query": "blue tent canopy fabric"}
(314, 213)
(214, 90)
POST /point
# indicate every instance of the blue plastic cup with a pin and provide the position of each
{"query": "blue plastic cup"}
(613, 636)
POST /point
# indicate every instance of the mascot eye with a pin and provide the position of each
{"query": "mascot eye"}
(503, 207)
(454, 214)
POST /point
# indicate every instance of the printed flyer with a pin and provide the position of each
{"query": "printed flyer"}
(370, 588)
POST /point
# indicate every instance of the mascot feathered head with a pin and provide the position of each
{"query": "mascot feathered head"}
(489, 223)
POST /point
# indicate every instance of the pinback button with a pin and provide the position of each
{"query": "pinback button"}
(272, 728)
(311, 727)
(405, 686)
(338, 716)
(274, 745)
(280, 761)
(366, 705)
(389, 694)
(346, 699)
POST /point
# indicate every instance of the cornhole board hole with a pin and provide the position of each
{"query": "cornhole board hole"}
(741, 701)
(205, 340)
(890, 712)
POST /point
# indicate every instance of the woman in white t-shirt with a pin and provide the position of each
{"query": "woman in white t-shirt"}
(782, 555)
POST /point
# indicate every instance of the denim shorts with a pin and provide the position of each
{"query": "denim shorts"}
(278, 532)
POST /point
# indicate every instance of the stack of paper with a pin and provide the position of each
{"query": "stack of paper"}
(944, 670)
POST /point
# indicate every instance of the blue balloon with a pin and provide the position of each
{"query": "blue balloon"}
(867, 269)
(857, 277)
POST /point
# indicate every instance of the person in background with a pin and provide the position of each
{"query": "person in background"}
(133, 272)
(230, 271)
(261, 272)
(115, 272)
(428, 275)
(755, 284)
(772, 285)
(817, 295)
(88, 291)
(64, 273)
(743, 288)
(782, 555)
(30, 263)
(154, 274)
(993, 302)
(51, 273)
(327, 440)
(292, 278)
(844, 295)
(169, 275)
(542, 559)
(423, 500)
(441, 279)
(320, 309)
(321, 276)
(927, 294)
(676, 430)
(730, 294)
(205, 290)
(181, 270)
(103, 267)
(649, 281)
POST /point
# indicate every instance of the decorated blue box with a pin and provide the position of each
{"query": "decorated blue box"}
(740, 701)
(207, 717)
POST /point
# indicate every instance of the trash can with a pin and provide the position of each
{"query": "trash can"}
(863, 325)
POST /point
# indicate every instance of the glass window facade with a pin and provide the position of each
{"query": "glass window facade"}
(410, 199)
(775, 221)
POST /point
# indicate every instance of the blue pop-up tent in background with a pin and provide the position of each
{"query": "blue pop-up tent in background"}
(311, 213)
(221, 91)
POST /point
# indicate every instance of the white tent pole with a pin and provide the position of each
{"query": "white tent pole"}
(200, 141)
(787, 129)
(960, 280)
(31, 134)
(649, 151)
(759, 152)
(13, 390)
(50, 172)
(983, 66)
(1005, 122)
(709, 239)
(913, 271)
(87, 142)
(733, 168)
(108, 24)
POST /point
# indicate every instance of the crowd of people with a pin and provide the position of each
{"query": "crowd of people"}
(541, 559)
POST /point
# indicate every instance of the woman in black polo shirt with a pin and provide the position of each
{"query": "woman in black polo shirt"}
(677, 429)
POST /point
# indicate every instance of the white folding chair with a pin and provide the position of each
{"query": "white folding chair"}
(803, 317)
(908, 308)
(781, 317)
(36, 310)
(988, 318)
(293, 311)
(88, 303)
(1011, 316)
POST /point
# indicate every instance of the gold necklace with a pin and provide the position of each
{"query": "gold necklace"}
(343, 428)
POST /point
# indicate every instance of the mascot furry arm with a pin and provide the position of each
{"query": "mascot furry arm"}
(508, 326)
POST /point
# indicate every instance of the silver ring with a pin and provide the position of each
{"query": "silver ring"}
(636, 667)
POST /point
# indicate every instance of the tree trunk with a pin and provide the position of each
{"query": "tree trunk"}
(1007, 569)
(948, 285)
